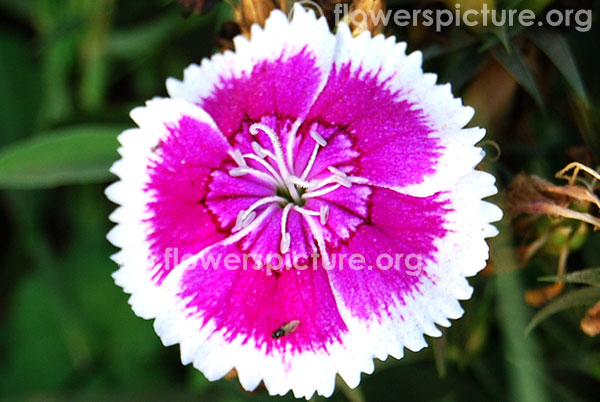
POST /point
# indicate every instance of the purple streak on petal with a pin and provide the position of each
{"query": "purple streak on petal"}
(254, 303)
(178, 183)
(399, 224)
(391, 135)
(283, 88)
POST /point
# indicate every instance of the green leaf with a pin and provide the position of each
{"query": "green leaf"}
(515, 65)
(19, 88)
(576, 298)
(558, 51)
(523, 354)
(138, 41)
(585, 276)
(502, 35)
(35, 361)
(81, 154)
(459, 41)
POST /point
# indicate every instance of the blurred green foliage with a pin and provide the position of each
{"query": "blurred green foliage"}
(70, 71)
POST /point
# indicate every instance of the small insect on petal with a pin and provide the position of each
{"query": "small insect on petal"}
(286, 329)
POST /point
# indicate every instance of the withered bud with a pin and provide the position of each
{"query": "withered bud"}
(534, 195)
(367, 15)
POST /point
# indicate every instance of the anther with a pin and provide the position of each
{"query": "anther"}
(258, 150)
(237, 172)
(244, 219)
(239, 219)
(318, 138)
(238, 158)
(286, 240)
(336, 171)
(248, 219)
(324, 214)
(343, 181)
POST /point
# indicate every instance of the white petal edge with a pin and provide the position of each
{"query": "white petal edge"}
(444, 114)
(310, 372)
(279, 38)
(461, 253)
(130, 233)
(214, 356)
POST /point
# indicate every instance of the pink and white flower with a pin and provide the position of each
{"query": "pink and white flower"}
(294, 153)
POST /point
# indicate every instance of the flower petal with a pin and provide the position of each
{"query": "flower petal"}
(164, 172)
(225, 316)
(279, 72)
(389, 309)
(345, 106)
(407, 130)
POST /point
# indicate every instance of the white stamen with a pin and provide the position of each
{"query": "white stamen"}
(343, 181)
(267, 166)
(322, 191)
(238, 221)
(274, 141)
(248, 219)
(258, 150)
(318, 138)
(318, 235)
(244, 232)
(336, 171)
(245, 217)
(311, 162)
(291, 143)
(283, 169)
(305, 211)
(324, 214)
(238, 158)
(317, 184)
(237, 172)
(286, 240)
(320, 141)
(242, 171)
(285, 236)
(302, 183)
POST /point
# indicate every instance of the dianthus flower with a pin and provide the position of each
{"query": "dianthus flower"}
(301, 206)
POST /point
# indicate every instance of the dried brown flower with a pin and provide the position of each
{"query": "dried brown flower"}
(590, 324)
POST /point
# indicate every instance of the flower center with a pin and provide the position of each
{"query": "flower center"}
(291, 190)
